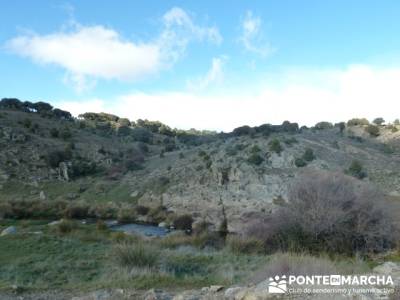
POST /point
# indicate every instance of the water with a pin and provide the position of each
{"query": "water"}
(146, 230)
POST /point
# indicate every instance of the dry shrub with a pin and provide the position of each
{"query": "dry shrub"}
(32, 209)
(101, 225)
(128, 255)
(329, 212)
(66, 226)
(203, 240)
(244, 245)
(126, 215)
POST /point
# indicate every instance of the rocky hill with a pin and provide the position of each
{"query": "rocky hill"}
(104, 166)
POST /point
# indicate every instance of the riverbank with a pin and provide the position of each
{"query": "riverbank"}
(70, 259)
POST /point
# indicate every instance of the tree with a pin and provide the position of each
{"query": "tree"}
(11, 103)
(323, 125)
(243, 130)
(378, 121)
(290, 127)
(42, 107)
(357, 122)
(342, 126)
(62, 114)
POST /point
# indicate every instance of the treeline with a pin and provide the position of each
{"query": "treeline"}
(42, 108)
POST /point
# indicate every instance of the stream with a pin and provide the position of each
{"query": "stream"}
(142, 229)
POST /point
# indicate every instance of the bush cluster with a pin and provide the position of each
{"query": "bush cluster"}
(328, 213)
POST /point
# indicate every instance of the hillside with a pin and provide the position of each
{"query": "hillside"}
(104, 166)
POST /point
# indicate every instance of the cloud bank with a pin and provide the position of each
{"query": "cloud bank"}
(299, 95)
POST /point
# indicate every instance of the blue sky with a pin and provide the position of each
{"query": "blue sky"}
(205, 64)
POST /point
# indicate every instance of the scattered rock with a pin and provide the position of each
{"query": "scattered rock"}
(97, 295)
(63, 171)
(8, 231)
(72, 196)
(111, 223)
(42, 195)
(134, 194)
(387, 268)
(162, 224)
(230, 293)
(16, 289)
(216, 288)
(154, 294)
(54, 223)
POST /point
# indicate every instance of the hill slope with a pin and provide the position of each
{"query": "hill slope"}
(108, 166)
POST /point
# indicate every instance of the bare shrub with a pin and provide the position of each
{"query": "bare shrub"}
(329, 212)
(66, 226)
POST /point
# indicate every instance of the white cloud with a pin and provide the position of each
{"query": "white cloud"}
(214, 75)
(88, 53)
(252, 36)
(298, 95)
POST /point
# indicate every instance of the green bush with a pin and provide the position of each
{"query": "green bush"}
(76, 211)
(373, 130)
(65, 133)
(275, 146)
(54, 132)
(142, 210)
(54, 157)
(300, 162)
(290, 141)
(387, 149)
(356, 170)
(255, 149)
(308, 155)
(27, 123)
(255, 159)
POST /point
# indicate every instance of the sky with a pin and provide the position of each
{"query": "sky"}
(212, 65)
